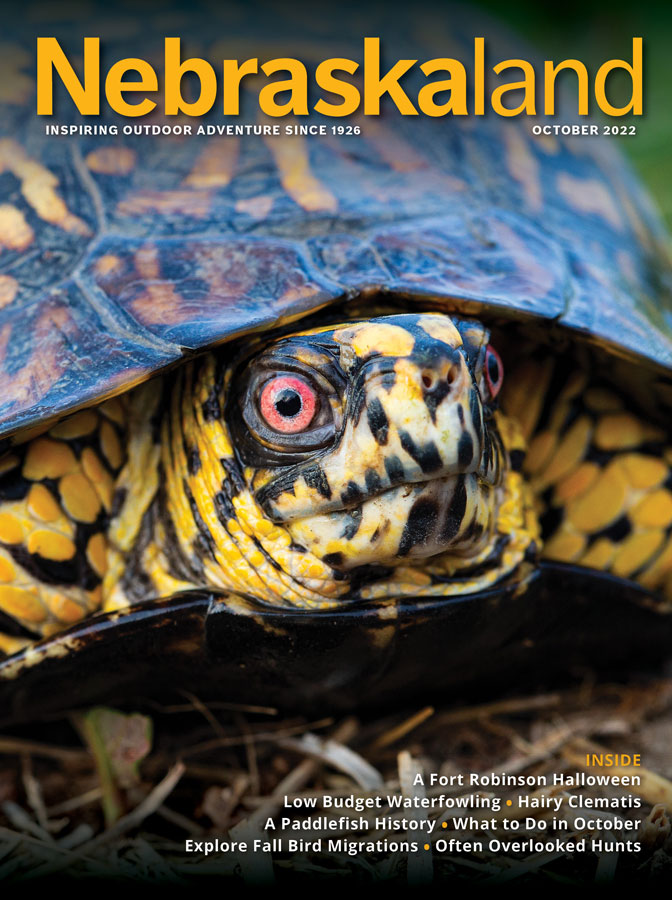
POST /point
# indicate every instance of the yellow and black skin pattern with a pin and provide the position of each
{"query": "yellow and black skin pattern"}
(367, 459)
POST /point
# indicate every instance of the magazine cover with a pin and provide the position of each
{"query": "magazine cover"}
(335, 449)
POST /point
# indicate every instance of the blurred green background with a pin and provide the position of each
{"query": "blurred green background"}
(595, 32)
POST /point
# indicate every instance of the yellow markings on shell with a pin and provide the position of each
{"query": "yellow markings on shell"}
(8, 462)
(532, 268)
(297, 292)
(653, 510)
(600, 554)
(79, 425)
(111, 445)
(602, 503)
(23, 604)
(47, 458)
(215, 165)
(441, 328)
(108, 264)
(111, 160)
(11, 529)
(96, 553)
(40, 188)
(195, 204)
(7, 570)
(160, 302)
(635, 551)
(602, 400)
(576, 483)
(100, 478)
(548, 144)
(622, 431)
(79, 497)
(50, 545)
(291, 157)
(565, 546)
(644, 472)
(399, 154)
(568, 454)
(15, 232)
(9, 288)
(257, 207)
(589, 195)
(523, 167)
(376, 337)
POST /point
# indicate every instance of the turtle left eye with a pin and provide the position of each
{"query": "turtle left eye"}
(288, 404)
(494, 371)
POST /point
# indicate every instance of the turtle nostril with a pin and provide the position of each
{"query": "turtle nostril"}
(431, 380)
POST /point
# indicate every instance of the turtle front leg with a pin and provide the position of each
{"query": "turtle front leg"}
(56, 495)
(601, 474)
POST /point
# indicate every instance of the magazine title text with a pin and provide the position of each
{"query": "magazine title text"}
(452, 87)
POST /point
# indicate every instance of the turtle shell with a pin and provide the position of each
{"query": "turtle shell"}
(124, 254)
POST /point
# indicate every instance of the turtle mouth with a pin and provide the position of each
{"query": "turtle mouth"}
(408, 521)
(312, 495)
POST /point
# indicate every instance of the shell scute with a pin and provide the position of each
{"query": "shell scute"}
(60, 352)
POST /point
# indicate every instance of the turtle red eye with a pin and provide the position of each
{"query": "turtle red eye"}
(494, 370)
(288, 404)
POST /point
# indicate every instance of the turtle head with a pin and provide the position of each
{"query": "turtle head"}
(375, 441)
(357, 461)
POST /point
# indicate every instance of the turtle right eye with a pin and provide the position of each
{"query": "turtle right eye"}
(288, 404)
